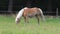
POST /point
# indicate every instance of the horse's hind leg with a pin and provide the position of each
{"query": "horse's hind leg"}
(37, 18)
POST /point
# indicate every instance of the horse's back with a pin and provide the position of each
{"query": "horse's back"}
(31, 11)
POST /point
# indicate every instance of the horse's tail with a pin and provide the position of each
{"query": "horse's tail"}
(42, 14)
(19, 15)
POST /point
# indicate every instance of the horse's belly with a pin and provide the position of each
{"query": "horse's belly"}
(31, 15)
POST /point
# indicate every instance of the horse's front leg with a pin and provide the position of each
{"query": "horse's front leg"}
(26, 19)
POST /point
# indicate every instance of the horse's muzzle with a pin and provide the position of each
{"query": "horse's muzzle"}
(17, 20)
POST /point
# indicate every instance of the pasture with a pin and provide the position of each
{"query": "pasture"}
(8, 26)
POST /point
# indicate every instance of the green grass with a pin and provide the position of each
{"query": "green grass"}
(8, 26)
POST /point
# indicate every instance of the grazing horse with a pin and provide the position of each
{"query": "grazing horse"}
(29, 12)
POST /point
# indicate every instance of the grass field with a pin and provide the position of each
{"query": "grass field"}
(8, 26)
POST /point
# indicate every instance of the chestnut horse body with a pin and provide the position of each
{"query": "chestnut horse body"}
(29, 13)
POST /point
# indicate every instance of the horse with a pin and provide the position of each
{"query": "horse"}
(29, 13)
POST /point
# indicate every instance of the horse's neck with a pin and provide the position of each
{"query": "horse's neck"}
(19, 15)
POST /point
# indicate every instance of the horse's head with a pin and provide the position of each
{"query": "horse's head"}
(17, 20)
